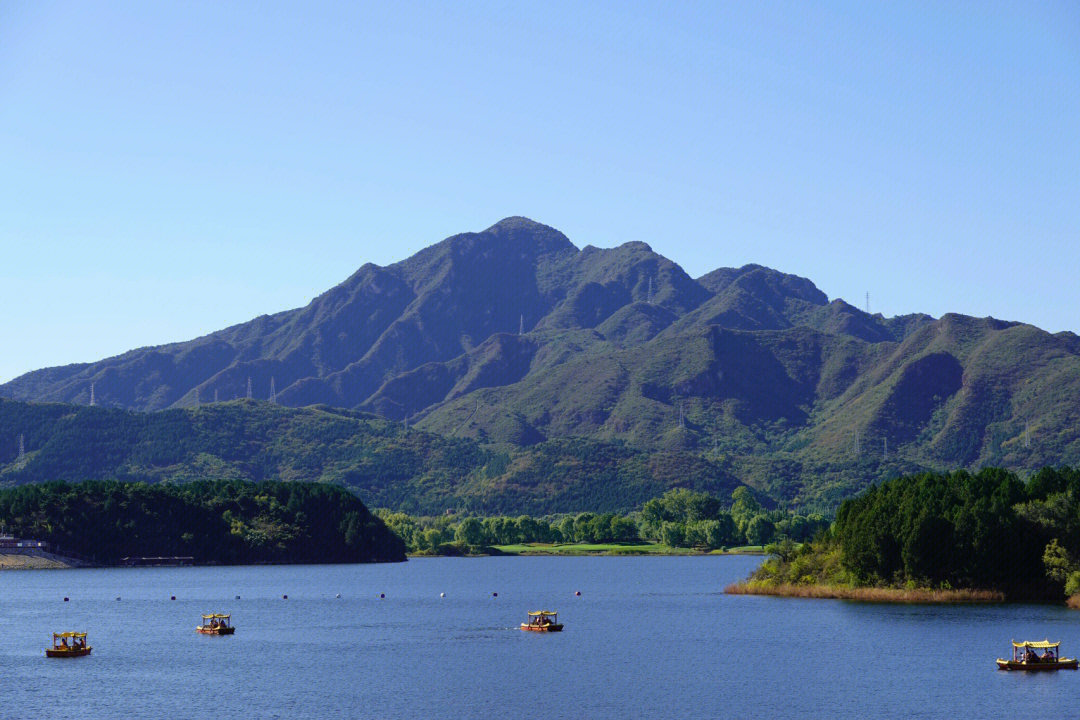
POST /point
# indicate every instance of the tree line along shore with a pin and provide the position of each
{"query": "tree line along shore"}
(988, 536)
(681, 521)
(240, 522)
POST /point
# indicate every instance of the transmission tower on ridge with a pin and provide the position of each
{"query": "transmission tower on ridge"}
(649, 296)
(273, 391)
(249, 388)
(196, 397)
(215, 394)
(521, 325)
(1027, 434)
(682, 415)
(868, 303)
(22, 452)
(91, 394)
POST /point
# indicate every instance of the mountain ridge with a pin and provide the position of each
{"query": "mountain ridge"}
(512, 336)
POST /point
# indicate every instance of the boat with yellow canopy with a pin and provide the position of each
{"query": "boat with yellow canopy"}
(68, 644)
(216, 624)
(543, 621)
(1025, 657)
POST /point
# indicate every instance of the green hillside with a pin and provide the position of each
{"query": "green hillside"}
(386, 464)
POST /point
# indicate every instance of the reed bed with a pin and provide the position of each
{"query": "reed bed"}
(921, 596)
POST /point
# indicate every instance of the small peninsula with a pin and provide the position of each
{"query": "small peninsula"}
(940, 537)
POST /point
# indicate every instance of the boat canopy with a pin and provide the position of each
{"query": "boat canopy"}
(69, 635)
(1035, 644)
(216, 617)
(544, 613)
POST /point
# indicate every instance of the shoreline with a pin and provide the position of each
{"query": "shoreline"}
(916, 596)
(597, 550)
(31, 562)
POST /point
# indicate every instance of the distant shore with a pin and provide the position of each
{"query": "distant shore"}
(12, 561)
(914, 596)
(580, 549)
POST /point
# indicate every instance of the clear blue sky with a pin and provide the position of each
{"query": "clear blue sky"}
(169, 169)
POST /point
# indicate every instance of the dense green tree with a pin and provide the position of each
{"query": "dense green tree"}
(759, 530)
(623, 529)
(744, 506)
(471, 532)
(566, 529)
(673, 534)
(584, 528)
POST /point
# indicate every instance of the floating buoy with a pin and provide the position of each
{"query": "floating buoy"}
(65, 599)
(172, 597)
(284, 597)
(338, 595)
(117, 598)
(494, 594)
(237, 597)
(382, 596)
(577, 593)
(442, 594)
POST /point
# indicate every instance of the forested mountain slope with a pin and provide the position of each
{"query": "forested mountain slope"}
(386, 464)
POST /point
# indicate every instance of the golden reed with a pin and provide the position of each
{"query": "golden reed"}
(882, 595)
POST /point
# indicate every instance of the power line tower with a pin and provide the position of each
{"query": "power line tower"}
(649, 296)
(273, 390)
(22, 452)
(249, 388)
(196, 397)
(91, 394)
(682, 415)
(1027, 434)
(215, 394)
(521, 325)
(868, 303)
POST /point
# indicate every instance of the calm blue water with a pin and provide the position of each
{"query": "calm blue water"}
(648, 638)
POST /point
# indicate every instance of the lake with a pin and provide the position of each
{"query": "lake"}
(649, 637)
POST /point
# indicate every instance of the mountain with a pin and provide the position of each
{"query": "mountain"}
(514, 338)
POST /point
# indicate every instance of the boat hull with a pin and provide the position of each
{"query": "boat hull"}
(215, 631)
(1062, 664)
(69, 653)
(554, 627)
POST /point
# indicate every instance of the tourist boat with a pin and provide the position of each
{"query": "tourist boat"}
(543, 621)
(1025, 657)
(61, 647)
(216, 625)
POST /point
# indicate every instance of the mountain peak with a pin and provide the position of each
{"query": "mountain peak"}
(521, 224)
(786, 284)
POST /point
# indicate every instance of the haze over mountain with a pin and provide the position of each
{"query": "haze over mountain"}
(513, 337)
